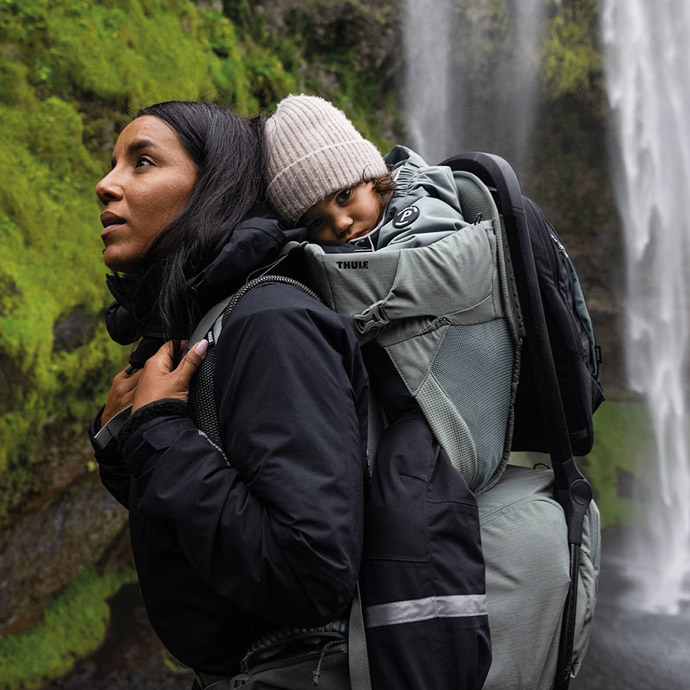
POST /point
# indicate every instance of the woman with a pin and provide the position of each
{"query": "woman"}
(264, 533)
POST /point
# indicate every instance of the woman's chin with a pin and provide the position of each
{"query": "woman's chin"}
(118, 263)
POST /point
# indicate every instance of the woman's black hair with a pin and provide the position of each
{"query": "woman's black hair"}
(226, 150)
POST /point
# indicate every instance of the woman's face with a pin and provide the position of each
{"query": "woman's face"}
(149, 184)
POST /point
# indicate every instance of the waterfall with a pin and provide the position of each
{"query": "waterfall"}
(427, 83)
(471, 80)
(647, 64)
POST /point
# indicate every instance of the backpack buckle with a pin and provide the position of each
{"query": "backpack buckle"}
(372, 318)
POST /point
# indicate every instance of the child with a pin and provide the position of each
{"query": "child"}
(422, 576)
(323, 175)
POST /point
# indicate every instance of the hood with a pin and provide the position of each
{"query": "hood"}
(400, 155)
(256, 242)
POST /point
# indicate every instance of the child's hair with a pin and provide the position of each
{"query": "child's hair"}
(313, 150)
(383, 184)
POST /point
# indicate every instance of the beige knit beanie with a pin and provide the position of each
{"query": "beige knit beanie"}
(313, 150)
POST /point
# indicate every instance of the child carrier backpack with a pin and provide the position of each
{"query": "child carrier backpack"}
(456, 318)
(442, 319)
(487, 323)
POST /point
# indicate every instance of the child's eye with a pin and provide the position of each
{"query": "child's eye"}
(343, 195)
(314, 224)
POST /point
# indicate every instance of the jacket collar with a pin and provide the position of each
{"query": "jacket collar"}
(255, 242)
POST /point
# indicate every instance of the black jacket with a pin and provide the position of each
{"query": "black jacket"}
(267, 531)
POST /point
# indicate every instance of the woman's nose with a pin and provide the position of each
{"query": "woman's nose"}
(108, 188)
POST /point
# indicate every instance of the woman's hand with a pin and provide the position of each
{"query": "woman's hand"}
(121, 393)
(159, 380)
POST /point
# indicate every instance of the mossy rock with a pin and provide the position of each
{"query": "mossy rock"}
(74, 625)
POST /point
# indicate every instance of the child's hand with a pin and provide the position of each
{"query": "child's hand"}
(159, 380)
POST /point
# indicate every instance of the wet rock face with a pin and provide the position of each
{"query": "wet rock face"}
(47, 546)
(131, 655)
(335, 26)
(326, 34)
(74, 329)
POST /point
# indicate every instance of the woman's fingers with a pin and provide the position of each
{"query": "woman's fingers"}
(192, 361)
(121, 393)
(159, 380)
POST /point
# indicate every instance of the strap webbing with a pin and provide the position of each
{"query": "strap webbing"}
(207, 321)
(112, 427)
(357, 646)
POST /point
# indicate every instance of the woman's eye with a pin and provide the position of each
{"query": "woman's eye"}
(343, 196)
(143, 162)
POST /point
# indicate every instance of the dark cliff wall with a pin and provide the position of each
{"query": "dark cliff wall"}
(71, 75)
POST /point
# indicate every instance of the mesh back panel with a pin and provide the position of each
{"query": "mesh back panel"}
(473, 367)
(449, 428)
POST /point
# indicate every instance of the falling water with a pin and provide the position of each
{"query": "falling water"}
(647, 65)
(427, 39)
(471, 83)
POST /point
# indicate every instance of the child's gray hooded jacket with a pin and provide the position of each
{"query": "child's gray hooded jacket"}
(424, 207)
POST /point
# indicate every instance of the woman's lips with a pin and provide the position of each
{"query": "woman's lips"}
(110, 221)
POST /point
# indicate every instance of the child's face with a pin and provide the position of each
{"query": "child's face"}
(344, 215)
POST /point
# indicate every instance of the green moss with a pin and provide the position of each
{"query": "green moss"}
(73, 625)
(268, 75)
(572, 59)
(71, 75)
(48, 228)
(146, 51)
(14, 86)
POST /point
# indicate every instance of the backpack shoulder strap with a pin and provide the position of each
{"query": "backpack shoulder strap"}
(207, 322)
(201, 398)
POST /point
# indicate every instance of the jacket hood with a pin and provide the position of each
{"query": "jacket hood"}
(401, 154)
(256, 242)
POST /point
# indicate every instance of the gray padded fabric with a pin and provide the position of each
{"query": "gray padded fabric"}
(525, 546)
(473, 199)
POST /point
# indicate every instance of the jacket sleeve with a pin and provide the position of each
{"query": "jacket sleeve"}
(274, 520)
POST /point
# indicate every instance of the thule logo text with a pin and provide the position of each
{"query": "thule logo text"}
(352, 264)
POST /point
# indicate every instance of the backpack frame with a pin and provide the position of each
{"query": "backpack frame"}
(571, 490)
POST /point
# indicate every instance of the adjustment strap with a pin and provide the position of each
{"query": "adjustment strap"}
(358, 658)
(111, 428)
